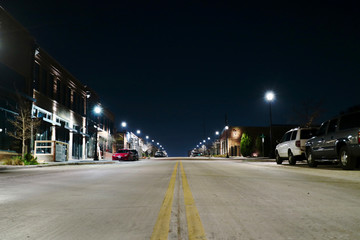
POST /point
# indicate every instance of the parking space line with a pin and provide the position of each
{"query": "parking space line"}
(161, 228)
(195, 227)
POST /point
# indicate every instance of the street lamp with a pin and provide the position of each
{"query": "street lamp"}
(227, 141)
(87, 146)
(97, 111)
(123, 124)
(217, 143)
(138, 131)
(270, 97)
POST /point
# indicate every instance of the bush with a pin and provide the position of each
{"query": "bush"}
(246, 145)
(13, 161)
(28, 159)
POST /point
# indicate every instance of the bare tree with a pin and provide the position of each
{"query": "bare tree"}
(308, 112)
(24, 124)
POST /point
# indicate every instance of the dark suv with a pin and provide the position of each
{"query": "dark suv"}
(337, 139)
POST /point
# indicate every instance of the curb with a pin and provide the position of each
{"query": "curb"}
(55, 164)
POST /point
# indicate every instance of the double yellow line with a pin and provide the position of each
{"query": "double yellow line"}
(195, 227)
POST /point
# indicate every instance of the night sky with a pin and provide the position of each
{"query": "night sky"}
(173, 69)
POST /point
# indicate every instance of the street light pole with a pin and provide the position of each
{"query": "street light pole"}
(271, 142)
(270, 96)
(97, 112)
(227, 141)
(96, 157)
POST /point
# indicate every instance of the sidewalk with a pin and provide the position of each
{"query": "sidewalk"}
(51, 164)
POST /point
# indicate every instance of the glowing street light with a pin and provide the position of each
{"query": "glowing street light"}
(270, 97)
(138, 131)
(123, 124)
(97, 111)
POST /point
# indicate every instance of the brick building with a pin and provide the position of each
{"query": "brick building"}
(230, 139)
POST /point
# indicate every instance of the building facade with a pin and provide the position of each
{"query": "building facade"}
(60, 100)
(230, 139)
(16, 63)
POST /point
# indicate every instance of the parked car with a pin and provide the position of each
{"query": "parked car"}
(195, 154)
(292, 145)
(160, 154)
(337, 139)
(124, 154)
(135, 154)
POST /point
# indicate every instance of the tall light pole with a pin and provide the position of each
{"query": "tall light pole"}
(217, 143)
(87, 144)
(270, 97)
(137, 146)
(97, 111)
(123, 127)
(227, 150)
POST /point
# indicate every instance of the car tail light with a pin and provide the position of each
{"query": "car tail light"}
(297, 143)
(359, 137)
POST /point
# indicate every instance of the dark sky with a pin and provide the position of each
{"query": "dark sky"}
(169, 68)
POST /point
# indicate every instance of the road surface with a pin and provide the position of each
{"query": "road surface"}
(180, 199)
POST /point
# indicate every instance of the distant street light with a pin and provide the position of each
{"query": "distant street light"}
(270, 97)
(97, 111)
(217, 146)
(123, 124)
(138, 131)
(227, 141)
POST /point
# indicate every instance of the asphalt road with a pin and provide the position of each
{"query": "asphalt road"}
(180, 199)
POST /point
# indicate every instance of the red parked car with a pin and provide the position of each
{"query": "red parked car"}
(124, 154)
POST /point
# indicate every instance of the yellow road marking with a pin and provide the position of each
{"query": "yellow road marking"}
(195, 227)
(161, 228)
